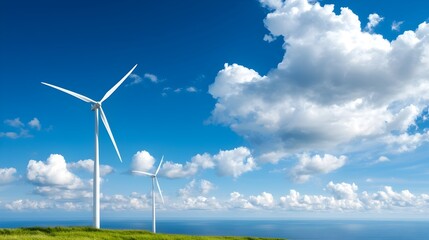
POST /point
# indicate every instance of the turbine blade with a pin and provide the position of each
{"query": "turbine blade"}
(159, 166)
(145, 173)
(159, 189)
(106, 124)
(117, 85)
(77, 95)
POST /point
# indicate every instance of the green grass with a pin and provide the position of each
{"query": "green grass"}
(88, 233)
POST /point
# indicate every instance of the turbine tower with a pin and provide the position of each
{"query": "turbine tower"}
(96, 106)
(154, 180)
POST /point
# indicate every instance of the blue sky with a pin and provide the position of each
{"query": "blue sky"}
(264, 109)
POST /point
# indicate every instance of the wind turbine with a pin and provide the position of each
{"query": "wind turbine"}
(96, 105)
(154, 180)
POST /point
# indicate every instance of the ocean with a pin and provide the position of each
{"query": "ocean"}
(291, 229)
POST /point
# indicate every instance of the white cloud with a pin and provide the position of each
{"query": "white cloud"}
(195, 187)
(199, 203)
(16, 123)
(406, 142)
(382, 159)
(269, 38)
(23, 133)
(7, 175)
(134, 201)
(264, 200)
(142, 161)
(396, 26)
(206, 186)
(191, 89)
(294, 201)
(88, 165)
(343, 190)
(340, 197)
(234, 162)
(153, 78)
(346, 198)
(336, 88)
(136, 79)
(20, 130)
(374, 20)
(237, 200)
(189, 169)
(178, 170)
(35, 123)
(227, 163)
(273, 4)
(310, 166)
(191, 198)
(21, 204)
(12, 135)
(64, 192)
(52, 173)
(203, 160)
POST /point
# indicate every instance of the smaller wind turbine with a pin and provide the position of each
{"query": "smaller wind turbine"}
(154, 180)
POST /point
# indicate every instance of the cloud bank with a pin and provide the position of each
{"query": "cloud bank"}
(338, 86)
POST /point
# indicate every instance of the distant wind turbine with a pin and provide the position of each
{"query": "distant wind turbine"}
(154, 180)
(95, 107)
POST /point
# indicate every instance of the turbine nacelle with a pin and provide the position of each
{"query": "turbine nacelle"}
(95, 106)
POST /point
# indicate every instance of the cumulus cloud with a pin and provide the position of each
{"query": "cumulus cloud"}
(273, 4)
(346, 198)
(52, 172)
(194, 196)
(178, 170)
(64, 192)
(337, 87)
(373, 20)
(142, 161)
(88, 165)
(309, 166)
(119, 202)
(21, 204)
(265, 200)
(189, 169)
(232, 163)
(206, 186)
(198, 203)
(343, 190)
(339, 197)
(7, 175)
(35, 123)
(238, 200)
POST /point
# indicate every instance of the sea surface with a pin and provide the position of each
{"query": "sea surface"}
(291, 229)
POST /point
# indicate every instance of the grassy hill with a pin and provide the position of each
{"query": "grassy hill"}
(88, 233)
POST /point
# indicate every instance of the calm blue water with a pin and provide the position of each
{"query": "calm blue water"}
(291, 229)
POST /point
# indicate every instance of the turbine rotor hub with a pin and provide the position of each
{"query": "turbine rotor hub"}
(95, 106)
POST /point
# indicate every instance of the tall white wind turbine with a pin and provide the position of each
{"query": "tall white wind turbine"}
(96, 105)
(154, 180)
